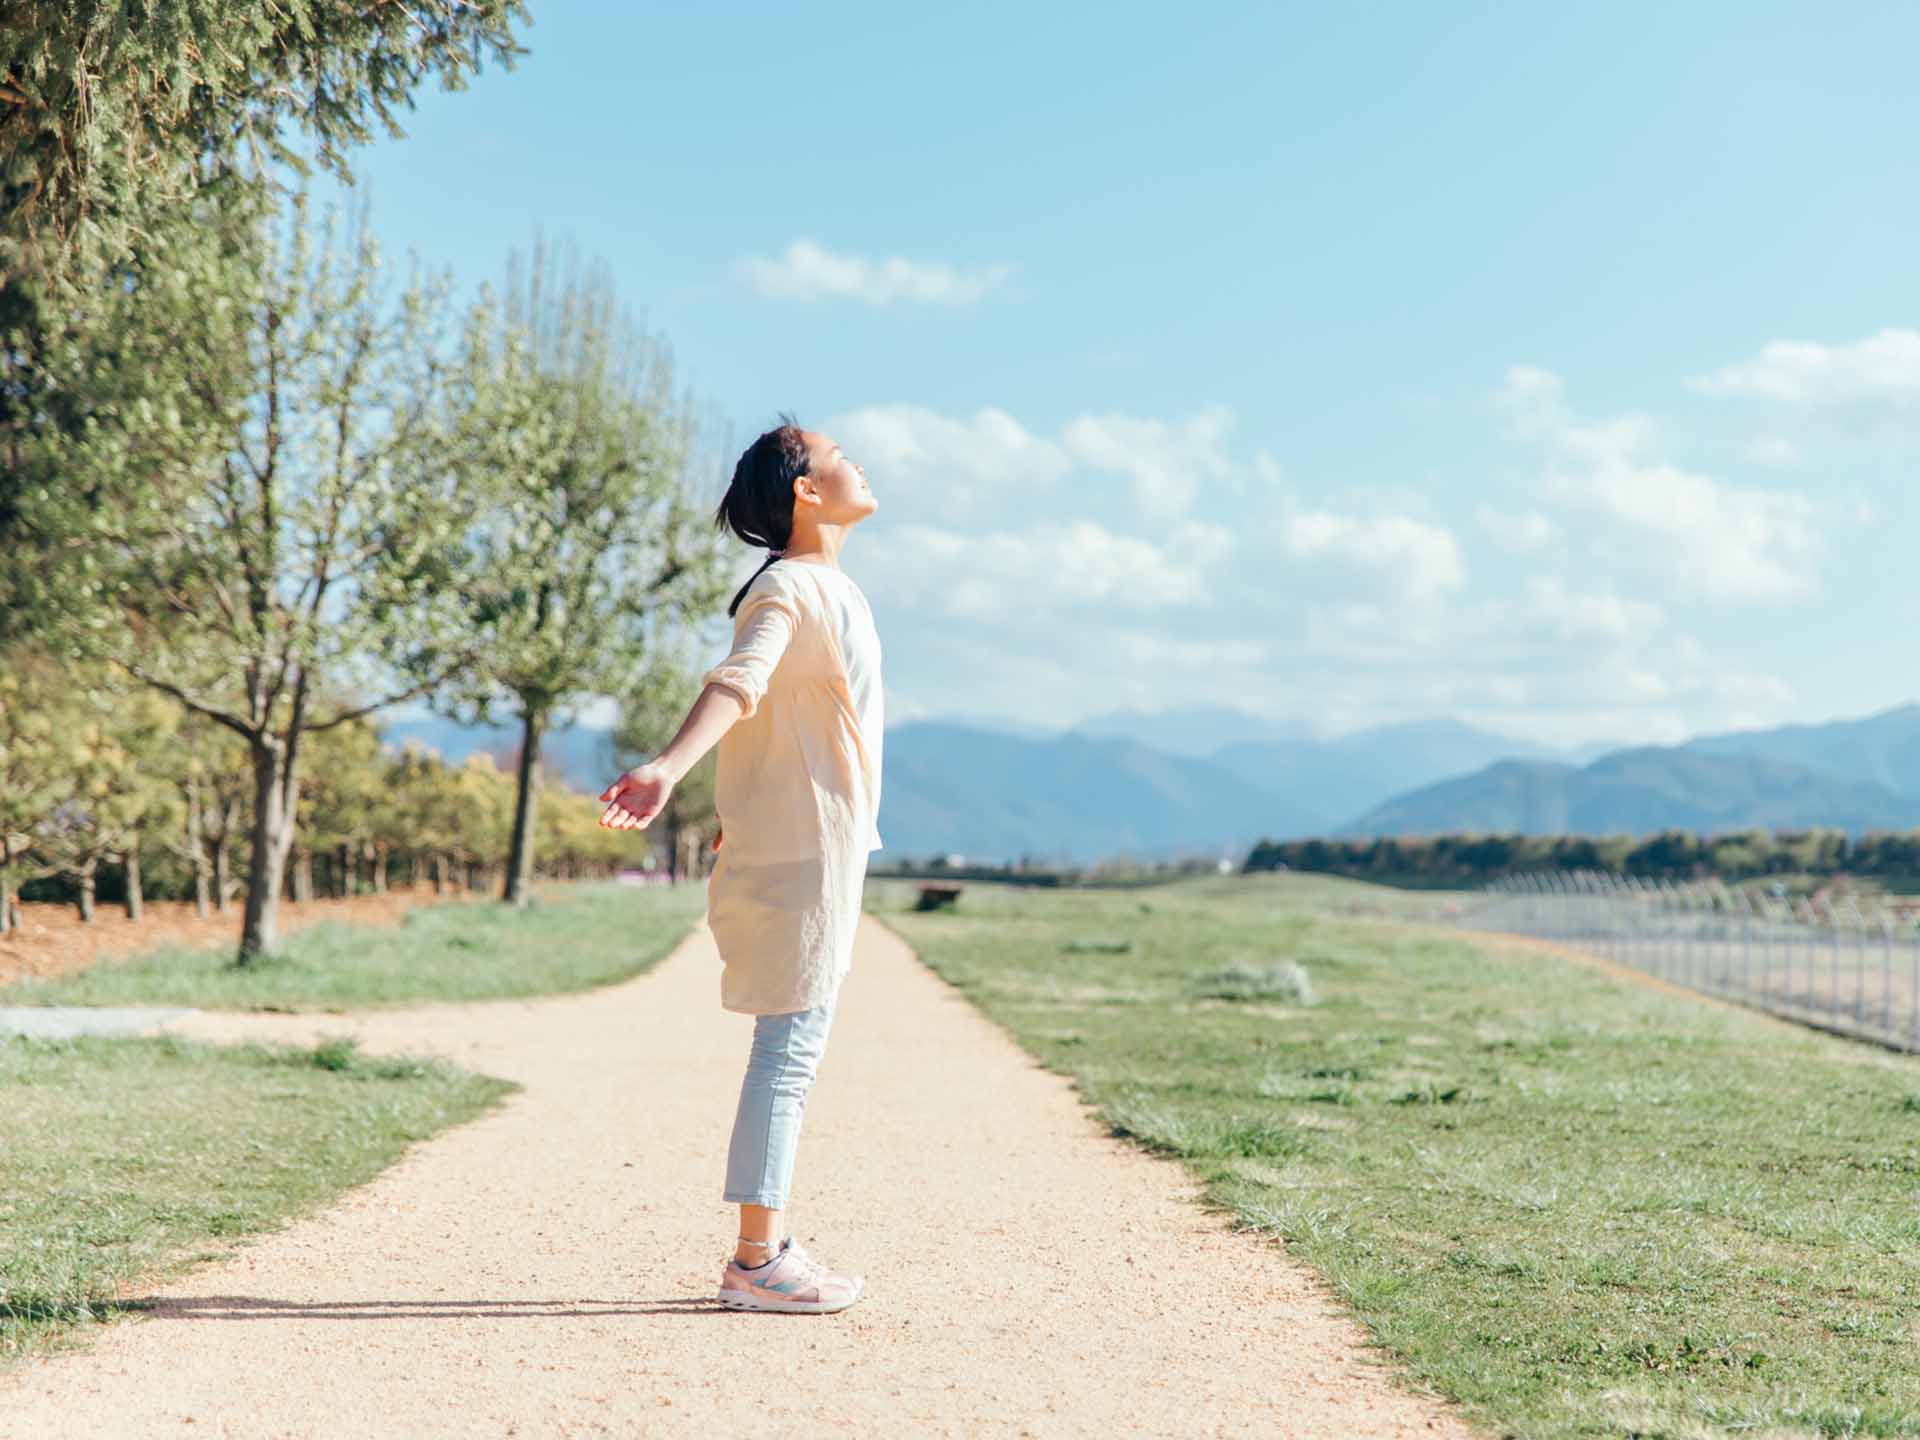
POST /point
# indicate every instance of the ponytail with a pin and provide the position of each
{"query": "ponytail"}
(758, 505)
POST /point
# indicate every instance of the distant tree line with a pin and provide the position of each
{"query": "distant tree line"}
(111, 796)
(1449, 861)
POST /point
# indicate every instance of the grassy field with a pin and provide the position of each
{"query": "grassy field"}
(574, 938)
(125, 1158)
(1577, 1204)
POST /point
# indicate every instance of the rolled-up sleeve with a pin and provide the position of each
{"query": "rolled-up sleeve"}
(762, 629)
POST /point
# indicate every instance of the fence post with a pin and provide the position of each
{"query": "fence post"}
(1859, 922)
(1746, 944)
(1886, 974)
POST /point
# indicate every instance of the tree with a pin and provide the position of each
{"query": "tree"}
(227, 543)
(40, 718)
(583, 543)
(115, 112)
(341, 802)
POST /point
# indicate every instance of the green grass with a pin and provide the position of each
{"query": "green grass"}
(1579, 1206)
(586, 935)
(120, 1160)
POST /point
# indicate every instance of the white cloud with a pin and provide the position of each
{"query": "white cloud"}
(1067, 581)
(1417, 560)
(1884, 366)
(1186, 652)
(1166, 460)
(1724, 542)
(964, 462)
(1518, 532)
(1026, 574)
(1552, 663)
(808, 271)
(1773, 450)
(1601, 615)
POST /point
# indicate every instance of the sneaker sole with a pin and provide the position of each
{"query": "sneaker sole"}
(747, 1300)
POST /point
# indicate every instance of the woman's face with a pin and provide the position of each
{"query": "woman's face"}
(839, 483)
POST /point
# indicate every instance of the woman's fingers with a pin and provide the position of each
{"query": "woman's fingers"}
(618, 817)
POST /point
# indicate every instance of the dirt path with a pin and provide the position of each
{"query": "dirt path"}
(547, 1269)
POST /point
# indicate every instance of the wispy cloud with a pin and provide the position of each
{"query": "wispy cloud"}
(1168, 464)
(1417, 560)
(1724, 542)
(1044, 571)
(808, 271)
(1884, 366)
(1517, 531)
(1142, 558)
(1773, 450)
(1165, 460)
(973, 463)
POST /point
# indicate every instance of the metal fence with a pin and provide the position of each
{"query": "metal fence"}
(1850, 965)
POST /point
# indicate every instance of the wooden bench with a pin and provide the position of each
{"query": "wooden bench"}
(934, 897)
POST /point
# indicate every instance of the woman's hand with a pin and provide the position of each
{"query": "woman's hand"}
(636, 797)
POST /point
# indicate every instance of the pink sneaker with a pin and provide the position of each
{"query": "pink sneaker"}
(791, 1282)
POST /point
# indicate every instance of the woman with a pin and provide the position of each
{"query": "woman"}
(796, 710)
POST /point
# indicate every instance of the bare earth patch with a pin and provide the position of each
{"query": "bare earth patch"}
(51, 939)
(548, 1269)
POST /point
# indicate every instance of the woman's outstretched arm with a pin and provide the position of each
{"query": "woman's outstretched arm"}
(640, 794)
(733, 690)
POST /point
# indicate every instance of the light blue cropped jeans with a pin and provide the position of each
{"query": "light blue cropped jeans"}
(766, 1128)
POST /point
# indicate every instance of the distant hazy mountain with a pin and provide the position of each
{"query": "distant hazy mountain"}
(1881, 750)
(1194, 730)
(1634, 792)
(981, 793)
(1327, 782)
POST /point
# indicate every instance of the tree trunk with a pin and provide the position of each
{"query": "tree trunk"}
(520, 858)
(86, 890)
(439, 874)
(275, 789)
(197, 849)
(379, 869)
(342, 871)
(222, 872)
(6, 903)
(136, 901)
(303, 875)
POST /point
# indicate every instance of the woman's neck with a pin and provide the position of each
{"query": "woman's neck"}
(817, 545)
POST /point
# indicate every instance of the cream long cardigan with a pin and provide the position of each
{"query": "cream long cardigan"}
(795, 787)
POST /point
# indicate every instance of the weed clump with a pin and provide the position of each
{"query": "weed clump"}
(1286, 980)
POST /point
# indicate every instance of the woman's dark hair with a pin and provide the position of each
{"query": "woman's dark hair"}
(758, 505)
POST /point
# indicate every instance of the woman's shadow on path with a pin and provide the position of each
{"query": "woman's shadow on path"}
(253, 1307)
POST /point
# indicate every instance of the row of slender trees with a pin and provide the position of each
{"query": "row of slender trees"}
(255, 486)
(117, 786)
(1461, 860)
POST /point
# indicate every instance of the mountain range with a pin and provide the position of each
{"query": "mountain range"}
(1855, 775)
(1214, 780)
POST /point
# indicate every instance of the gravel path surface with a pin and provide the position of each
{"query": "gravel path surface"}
(548, 1269)
(63, 1022)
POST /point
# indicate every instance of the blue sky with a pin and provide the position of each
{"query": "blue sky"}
(1557, 368)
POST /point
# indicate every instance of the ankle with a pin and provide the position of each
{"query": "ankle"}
(752, 1254)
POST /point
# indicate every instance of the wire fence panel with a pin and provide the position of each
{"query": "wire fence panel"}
(1851, 965)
